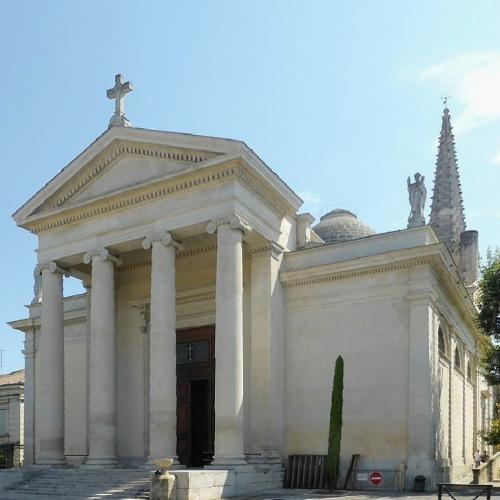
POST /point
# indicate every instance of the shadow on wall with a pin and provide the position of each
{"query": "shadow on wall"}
(443, 473)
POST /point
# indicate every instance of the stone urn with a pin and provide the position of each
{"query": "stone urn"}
(164, 464)
(162, 483)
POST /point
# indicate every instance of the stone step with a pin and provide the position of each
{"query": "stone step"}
(116, 484)
(94, 487)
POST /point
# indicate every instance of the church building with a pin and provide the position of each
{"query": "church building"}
(214, 312)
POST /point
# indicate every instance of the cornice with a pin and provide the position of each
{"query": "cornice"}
(293, 279)
(436, 257)
(146, 262)
(33, 325)
(160, 189)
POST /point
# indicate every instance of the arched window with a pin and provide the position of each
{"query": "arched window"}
(458, 361)
(441, 342)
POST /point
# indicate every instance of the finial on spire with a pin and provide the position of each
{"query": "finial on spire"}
(117, 93)
(445, 99)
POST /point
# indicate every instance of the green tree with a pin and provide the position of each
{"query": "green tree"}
(491, 435)
(488, 321)
(335, 434)
(488, 318)
(490, 360)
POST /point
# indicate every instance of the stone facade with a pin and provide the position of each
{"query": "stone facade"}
(11, 419)
(171, 232)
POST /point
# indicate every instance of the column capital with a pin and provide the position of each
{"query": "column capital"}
(103, 254)
(164, 238)
(50, 266)
(234, 221)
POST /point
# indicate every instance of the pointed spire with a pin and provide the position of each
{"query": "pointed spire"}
(447, 212)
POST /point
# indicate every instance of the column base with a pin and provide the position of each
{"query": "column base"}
(267, 456)
(100, 463)
(227, 462)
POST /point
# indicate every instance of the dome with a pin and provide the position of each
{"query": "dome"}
(341, 225)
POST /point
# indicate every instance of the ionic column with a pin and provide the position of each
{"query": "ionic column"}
(51, 357)
(102, 380)
(229, 340)
(162, 345)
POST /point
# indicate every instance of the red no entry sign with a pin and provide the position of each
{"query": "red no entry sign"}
(376, 478)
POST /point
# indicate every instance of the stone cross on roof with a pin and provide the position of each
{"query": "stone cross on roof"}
(117, 93)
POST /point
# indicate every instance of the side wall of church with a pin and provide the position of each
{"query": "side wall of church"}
(366, 320)
(460, 390)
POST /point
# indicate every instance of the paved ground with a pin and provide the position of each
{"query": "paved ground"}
(314, 495)
(274, 495)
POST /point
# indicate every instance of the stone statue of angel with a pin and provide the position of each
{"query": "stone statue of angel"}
(417, 194)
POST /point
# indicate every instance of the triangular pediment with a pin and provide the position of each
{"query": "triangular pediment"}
(120, 159)
(126, 164)
(120, 166)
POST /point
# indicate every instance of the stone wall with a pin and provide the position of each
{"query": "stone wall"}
(366, 320)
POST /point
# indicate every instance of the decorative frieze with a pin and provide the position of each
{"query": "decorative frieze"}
(146, 262)
(290, 282)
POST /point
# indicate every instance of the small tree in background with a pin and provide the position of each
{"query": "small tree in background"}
(488, 304)
(488, 321)
(335, 434)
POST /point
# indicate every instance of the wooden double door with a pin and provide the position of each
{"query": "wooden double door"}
(195, 395)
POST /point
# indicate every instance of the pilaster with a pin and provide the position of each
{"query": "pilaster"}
(421, 400)
(266, 374)
(29, 397)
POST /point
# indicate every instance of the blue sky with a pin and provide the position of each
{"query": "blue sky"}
(340, 98)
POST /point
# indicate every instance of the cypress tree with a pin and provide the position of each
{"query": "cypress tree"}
(335, 434)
